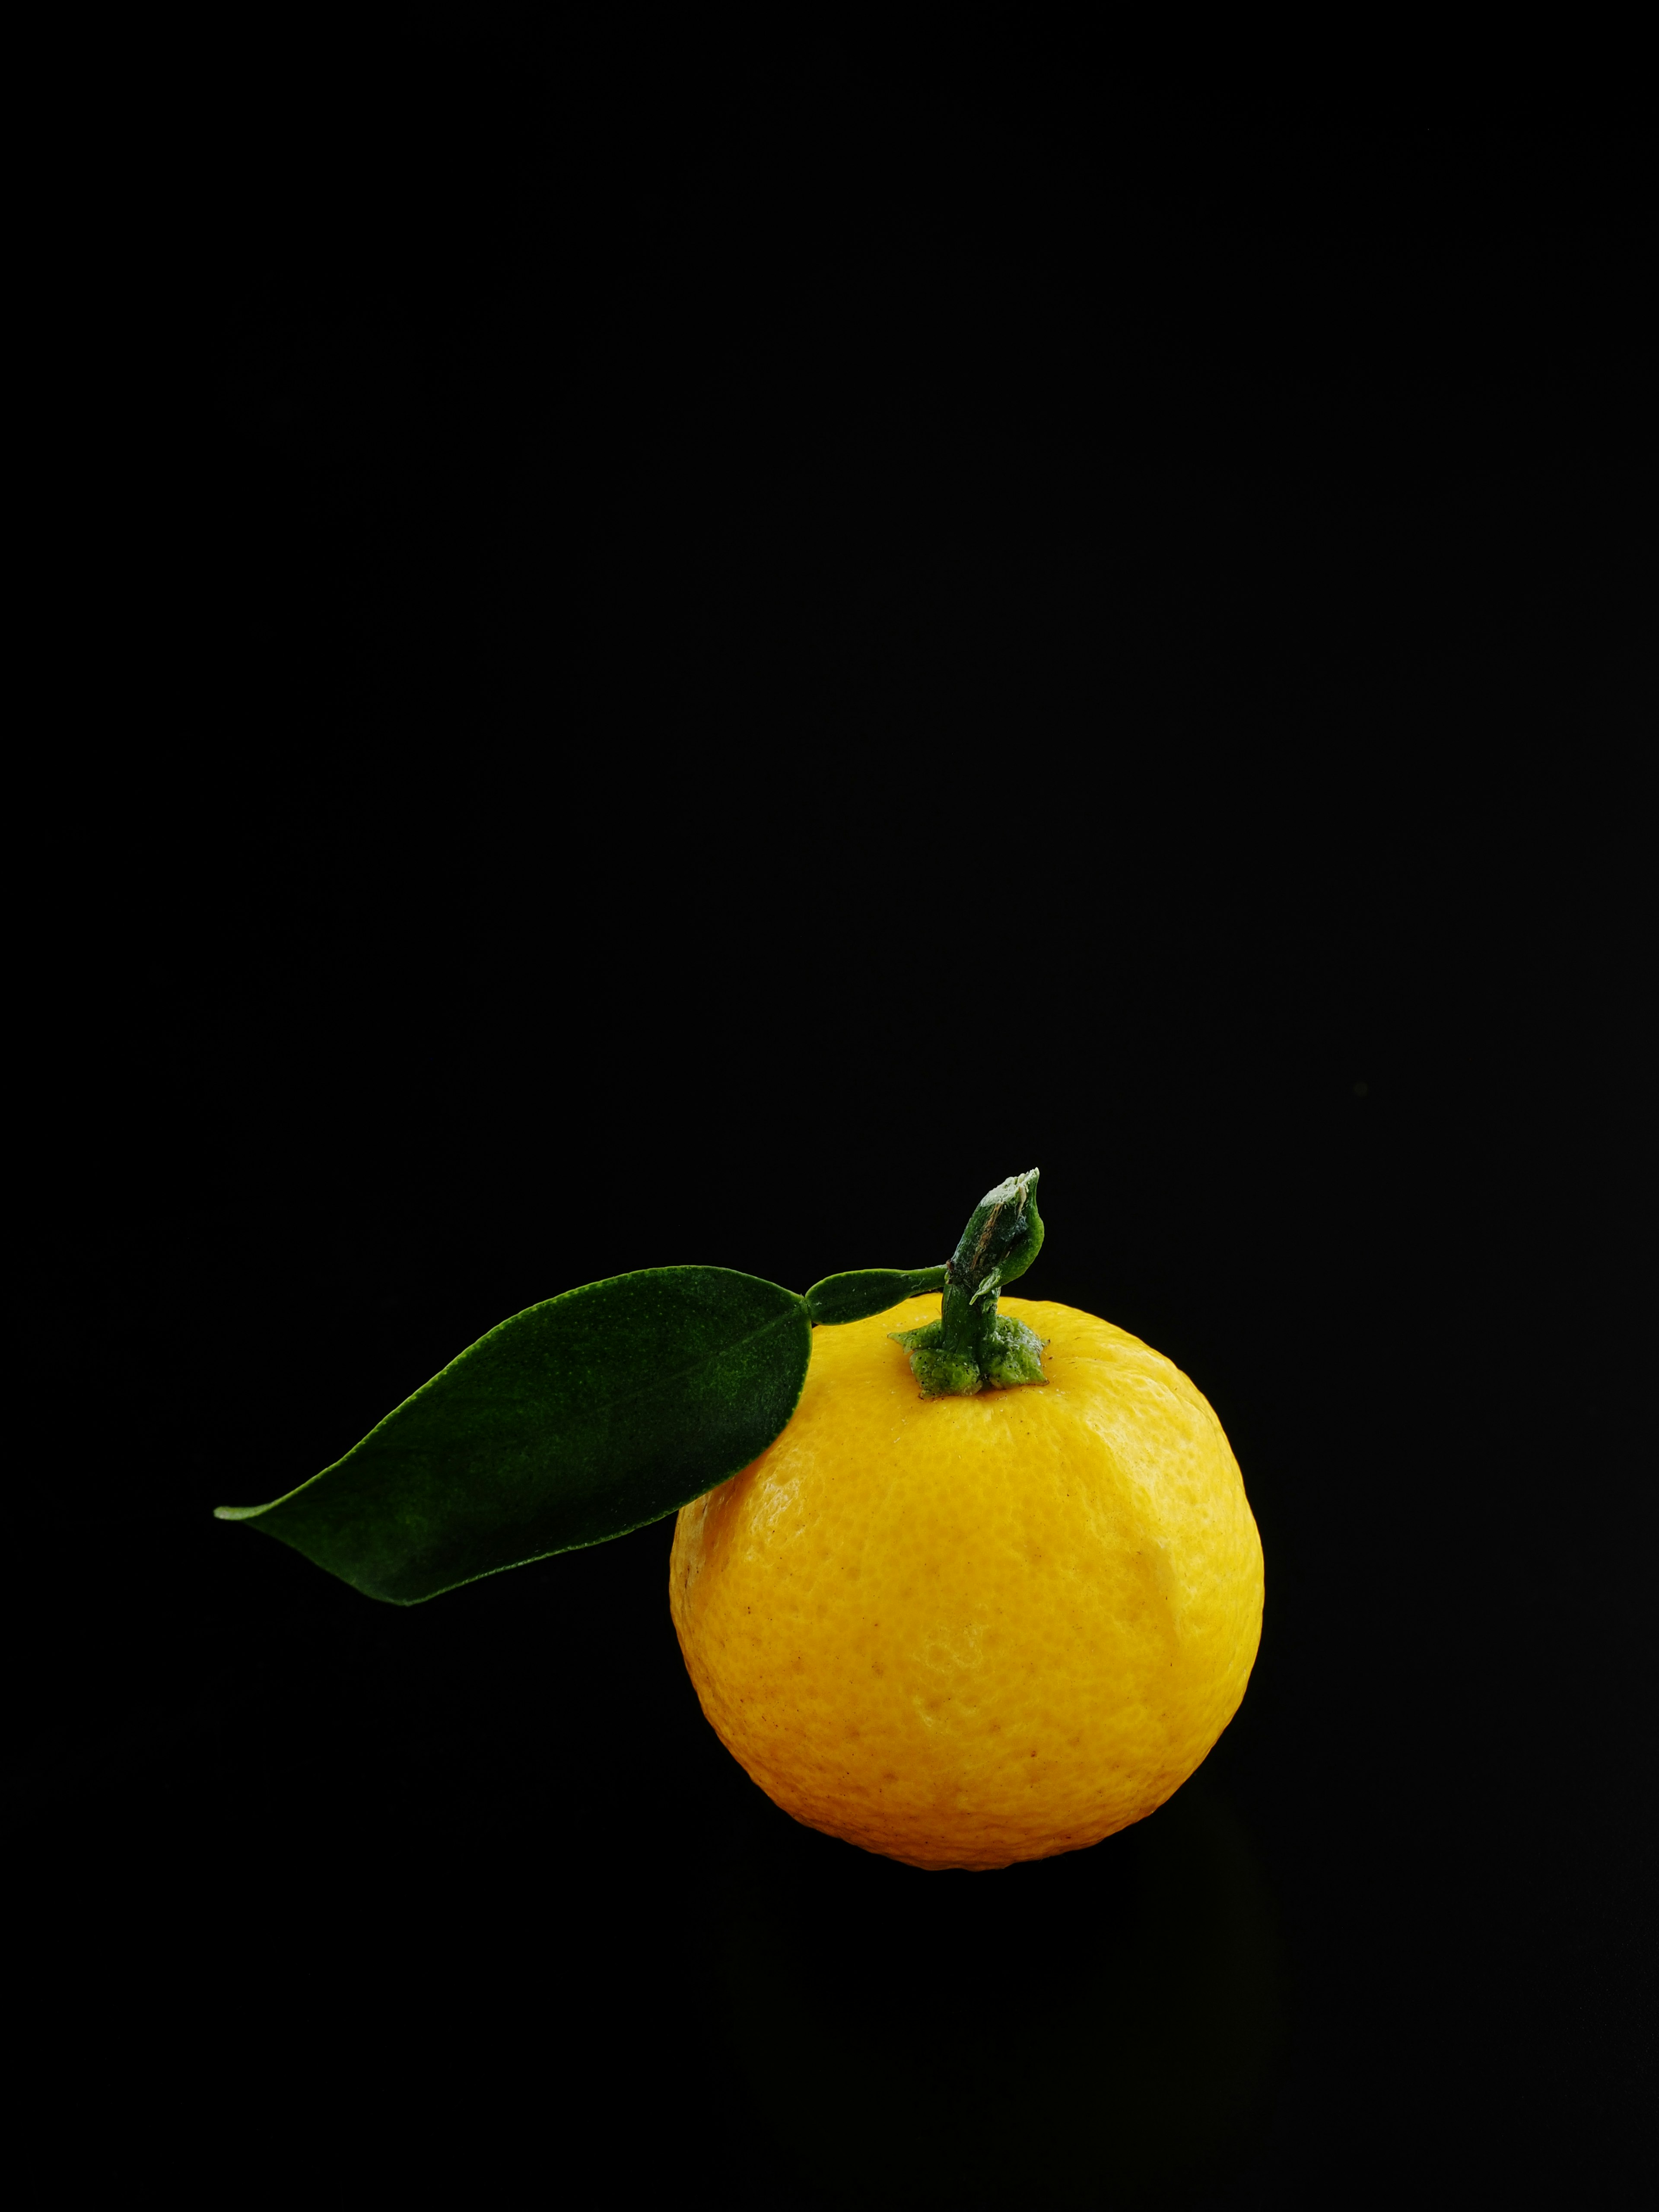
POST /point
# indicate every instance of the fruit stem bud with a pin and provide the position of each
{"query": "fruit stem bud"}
(971, 1346)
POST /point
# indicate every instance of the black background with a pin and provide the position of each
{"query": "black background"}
(710, 663)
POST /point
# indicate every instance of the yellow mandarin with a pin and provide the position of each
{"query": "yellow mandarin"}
(961, 1632)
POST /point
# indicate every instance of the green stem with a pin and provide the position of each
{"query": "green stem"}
(971, 1346)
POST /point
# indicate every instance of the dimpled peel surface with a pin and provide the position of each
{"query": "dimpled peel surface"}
(967, 1630)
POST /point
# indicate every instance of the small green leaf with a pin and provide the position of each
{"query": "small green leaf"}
(577, 1420)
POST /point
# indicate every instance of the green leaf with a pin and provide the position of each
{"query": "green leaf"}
(577, 1420)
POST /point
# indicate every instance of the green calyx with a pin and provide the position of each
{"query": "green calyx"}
(972, 1348)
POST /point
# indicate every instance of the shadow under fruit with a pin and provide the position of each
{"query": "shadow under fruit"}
(1103, 2027)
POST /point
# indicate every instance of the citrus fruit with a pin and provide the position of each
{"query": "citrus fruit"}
(965, 1631)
